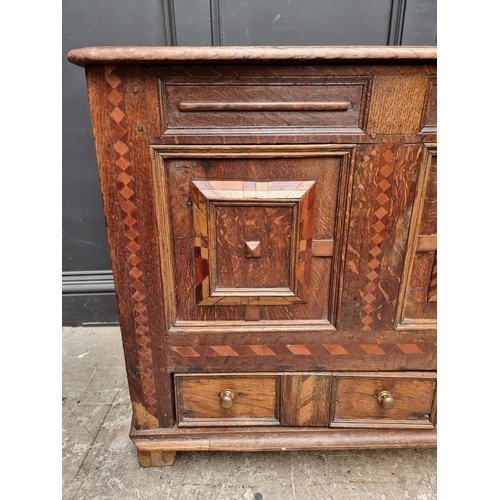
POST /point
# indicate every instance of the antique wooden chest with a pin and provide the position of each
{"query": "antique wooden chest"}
(271, 214)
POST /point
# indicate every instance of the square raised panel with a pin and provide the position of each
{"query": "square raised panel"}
(252, 241)
(252, 234)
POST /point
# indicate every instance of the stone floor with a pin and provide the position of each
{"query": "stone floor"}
(99, 461)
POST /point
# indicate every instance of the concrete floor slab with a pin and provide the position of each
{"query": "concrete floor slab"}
(100, 462)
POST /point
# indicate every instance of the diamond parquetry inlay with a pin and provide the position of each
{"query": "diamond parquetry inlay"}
(386, 169)
(118, 122)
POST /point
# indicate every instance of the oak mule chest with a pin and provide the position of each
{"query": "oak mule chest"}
(271, 215)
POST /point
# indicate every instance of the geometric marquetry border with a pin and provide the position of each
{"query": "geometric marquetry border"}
(160, 153)
(298, 195)
(429, 150)
(263, 350)
(378, 229)
(125, 185)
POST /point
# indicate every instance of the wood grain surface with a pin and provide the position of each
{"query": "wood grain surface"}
(356, 402)
(163, 55)
(156, 458)
(355, 260)
(306, 399)
(383, 194)
(238, 105)
(283, 439)
(429, 123)
(397, 103)
(272, 226)
(256, 400)
(180, 173)
(418, 294)
(132, 234)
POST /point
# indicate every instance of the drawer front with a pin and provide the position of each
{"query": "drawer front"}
(359, 401)
(334, 106)
(233, 400)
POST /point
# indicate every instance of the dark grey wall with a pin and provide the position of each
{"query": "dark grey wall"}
(94, 22)
(295, 22)
(420, 23)
(87, 280)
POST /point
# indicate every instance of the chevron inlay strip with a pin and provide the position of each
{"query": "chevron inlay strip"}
(296, 350)
(410, 348)
(125, 183)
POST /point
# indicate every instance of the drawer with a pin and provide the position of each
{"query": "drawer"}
(227, 400)
(359, 400)
(203, 106)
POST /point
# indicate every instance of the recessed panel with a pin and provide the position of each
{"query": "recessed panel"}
(278, 203)
(208, 106)
(253, 246)
(420, 301)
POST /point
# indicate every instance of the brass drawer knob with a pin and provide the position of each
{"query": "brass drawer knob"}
(226, 398)
(386, 399)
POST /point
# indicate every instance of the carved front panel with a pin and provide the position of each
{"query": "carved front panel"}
(254, 237)
(252, 241)
(419, 302)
